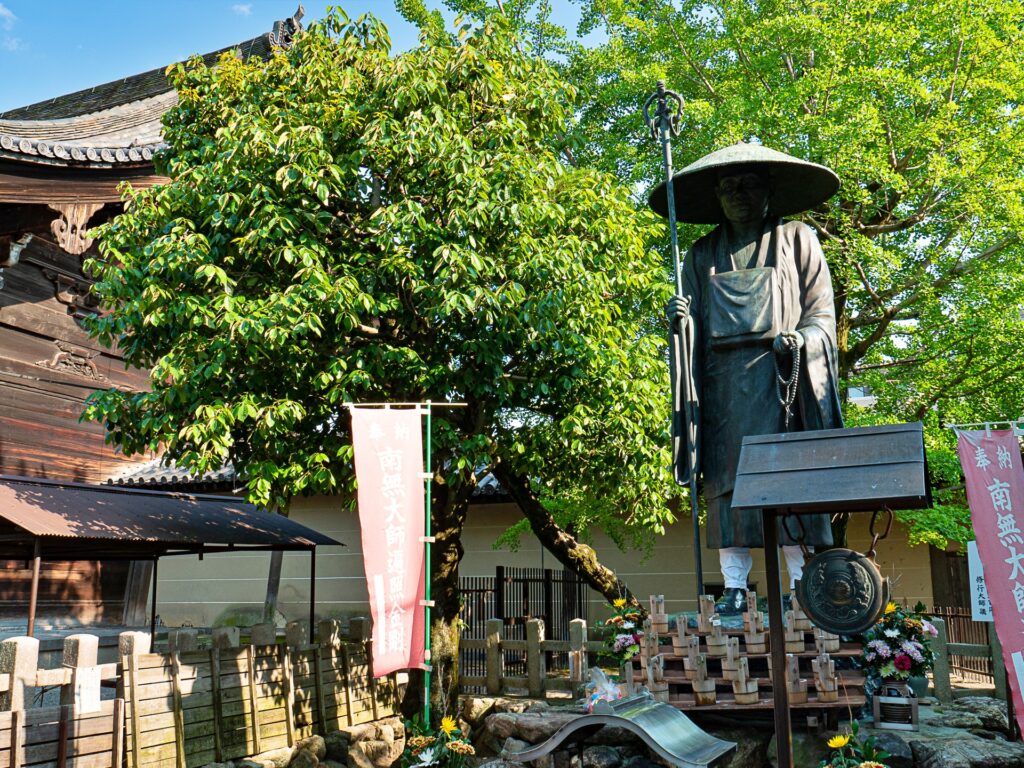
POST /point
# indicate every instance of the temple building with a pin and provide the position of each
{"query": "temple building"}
(61, 163)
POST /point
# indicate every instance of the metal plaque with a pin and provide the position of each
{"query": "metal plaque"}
(842, 592)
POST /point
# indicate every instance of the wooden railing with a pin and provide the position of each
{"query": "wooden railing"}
(538, 680)
(187, 707)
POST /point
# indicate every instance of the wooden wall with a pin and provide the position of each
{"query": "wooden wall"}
(48, 366)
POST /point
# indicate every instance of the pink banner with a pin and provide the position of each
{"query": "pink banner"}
(388, 450)
(995, 492)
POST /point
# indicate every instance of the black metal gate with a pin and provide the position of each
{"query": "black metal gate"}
(515, 595)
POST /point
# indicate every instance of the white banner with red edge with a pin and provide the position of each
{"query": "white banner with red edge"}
(388, 448)
(995, 492)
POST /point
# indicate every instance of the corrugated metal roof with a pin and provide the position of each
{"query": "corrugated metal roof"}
(72, 517)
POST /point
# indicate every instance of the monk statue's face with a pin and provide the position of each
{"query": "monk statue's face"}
(743, 195)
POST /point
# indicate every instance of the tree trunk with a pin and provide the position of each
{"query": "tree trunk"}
(571, 553)
(450, 508)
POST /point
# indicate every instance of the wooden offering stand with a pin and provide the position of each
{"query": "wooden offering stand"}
(825, 642)
(690, 659)
(743, 687)
(731, 662)
(801, 620)
(794, 684)
(825, 681)
(704, 689)
(794, 636)
(658, 616)
(706, 613)
(754, 635)
(716, 639)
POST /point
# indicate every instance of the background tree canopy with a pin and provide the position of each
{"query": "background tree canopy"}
(343, 225)
(918, 108)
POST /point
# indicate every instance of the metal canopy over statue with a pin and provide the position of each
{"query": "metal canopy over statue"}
(752, 332)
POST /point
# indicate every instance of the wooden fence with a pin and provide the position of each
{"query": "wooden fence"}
(186, 707)
(962, 629)
(537, 682)
(945, 651)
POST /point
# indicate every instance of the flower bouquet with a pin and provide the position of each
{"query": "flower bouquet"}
(898, 646)
(621, 636)
(850, 751)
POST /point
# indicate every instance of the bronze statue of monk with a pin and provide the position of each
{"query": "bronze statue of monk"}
(757, 307)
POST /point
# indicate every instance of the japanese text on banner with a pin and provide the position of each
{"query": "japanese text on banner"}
(388, 451)
(995, 492)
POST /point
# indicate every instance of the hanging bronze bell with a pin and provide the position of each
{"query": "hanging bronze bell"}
(842, 591)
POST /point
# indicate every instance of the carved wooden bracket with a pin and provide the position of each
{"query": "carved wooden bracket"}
(74, 293)
(69, 229)
(74, 360)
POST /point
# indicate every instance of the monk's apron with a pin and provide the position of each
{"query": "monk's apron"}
(742, 318)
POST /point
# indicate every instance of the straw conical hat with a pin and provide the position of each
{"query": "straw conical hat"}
(797, 185)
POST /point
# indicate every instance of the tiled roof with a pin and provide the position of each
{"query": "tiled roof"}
(116, 123)
(155, 474)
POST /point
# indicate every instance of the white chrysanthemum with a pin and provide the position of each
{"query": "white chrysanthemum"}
(892, 633)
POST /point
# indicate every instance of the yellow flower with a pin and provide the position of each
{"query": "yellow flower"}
(619, 603)
(890, 608)
(448, 725)
(838, 742)
(870, 764)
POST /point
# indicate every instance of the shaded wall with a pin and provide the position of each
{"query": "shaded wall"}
(233, 586)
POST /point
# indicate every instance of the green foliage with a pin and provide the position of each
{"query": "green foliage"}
(851, 751)
(918, 107)
(341, 225)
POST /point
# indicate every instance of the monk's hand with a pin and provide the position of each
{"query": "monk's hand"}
(788, 341)
(678, 310)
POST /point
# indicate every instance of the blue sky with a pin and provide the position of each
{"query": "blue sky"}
(53, 47)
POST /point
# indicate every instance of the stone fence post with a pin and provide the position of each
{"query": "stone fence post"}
(495, 658)
(536, 668)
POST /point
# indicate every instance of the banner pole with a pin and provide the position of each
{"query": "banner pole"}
(426, 567)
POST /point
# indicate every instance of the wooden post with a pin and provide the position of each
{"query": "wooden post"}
(287, 682)
(19, 658)
(130, 665)
(499, 593)
(17, 737)
(263, 634)
(578, 656)
(318, 686)
(80, 652)
(492, 647)
(368, 648)
(62, 737)
(33, 596)
(179, 717)
(777, 637)
(536, 670)
(117, 737)
(152, 610)
(347, 671)
(218, 739)
(940, 669)
(226, 637)
(998, 665)
(250, 661)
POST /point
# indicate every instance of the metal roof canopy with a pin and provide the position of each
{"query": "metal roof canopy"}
(72, 521)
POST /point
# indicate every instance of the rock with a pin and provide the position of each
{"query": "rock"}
(641, 761)
(900, 754)
(314, 744)
(356, 756)
(991, 712)
(331, 764)
(278, 758)
(600, 756)
(751, 746)
(538, 706)
(808, 750)
(336, 745)
(957, 719)
(514, 706)
(511, 746)
(248, 763)
(475, 709)
(967, 752)
(304, 758)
